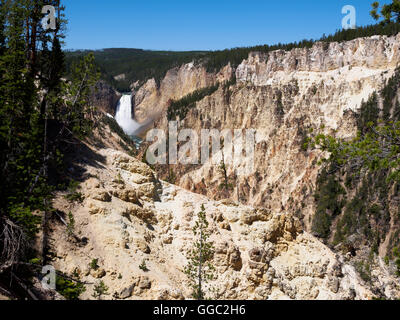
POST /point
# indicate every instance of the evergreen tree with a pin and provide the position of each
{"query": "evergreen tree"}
(39, 112)
(388, 12)
(100, 289)
(199, 268)
(80, 114)
(396, 254)
(370, 163)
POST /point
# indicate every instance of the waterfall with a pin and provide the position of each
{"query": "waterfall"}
(123, 115)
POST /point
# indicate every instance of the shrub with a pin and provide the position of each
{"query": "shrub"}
(93, 264)
(143, 266)
(70, 224)
(396, 254)
(73, 195)
(328, 198)
(24, 217)
(69, 289)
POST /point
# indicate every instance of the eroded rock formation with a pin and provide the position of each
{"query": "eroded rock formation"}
(129, 216)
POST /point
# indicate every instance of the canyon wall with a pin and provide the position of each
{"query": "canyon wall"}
(283, 95)
(138, 230)
(105, 98)
(130, 216)
(150, 100)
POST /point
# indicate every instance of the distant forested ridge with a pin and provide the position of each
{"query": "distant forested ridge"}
(135, 64)
(141, 65)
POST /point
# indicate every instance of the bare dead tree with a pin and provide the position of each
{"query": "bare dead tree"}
(13, 243)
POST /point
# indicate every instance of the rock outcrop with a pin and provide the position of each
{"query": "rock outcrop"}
(139, 228)
(283, 95)
(105, 98)
(129, 217)
(150, 100)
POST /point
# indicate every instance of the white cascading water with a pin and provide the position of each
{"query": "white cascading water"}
(123, 115)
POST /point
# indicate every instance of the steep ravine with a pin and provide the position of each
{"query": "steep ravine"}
(283, 95)
(129, 216)
(262, 234)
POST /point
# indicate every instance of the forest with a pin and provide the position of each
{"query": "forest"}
(42, 118)
(141, 65)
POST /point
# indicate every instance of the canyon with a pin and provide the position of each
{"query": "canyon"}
(129, 216)
(262, 226)
(282, 95)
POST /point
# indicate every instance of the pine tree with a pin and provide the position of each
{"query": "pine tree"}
(80, 114)
(100, 289)
(396, 254)
(199, 268)
(222, 169)
(39, 111)
(388, 12)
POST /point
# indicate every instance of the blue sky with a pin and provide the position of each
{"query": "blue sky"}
(202, 25)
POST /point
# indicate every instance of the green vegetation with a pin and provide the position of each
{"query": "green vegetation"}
(370, 167)
(364, 270)
(100, 289)
(199, 268)
(305, 138)
(218, 59)
(222, 170)
(396, 254)
(371, 161)
(94, 264)
(119, 179)
(135, 64)
(140, 65)
(171, 176)
(72, 194)
(143, 266)
(75, 197)
(369, 114)
(114, 127)
(226, 184)
(181, 107)
(70, 290)
(70, 224)
(42, 119)
(329, 202)
(388, 12)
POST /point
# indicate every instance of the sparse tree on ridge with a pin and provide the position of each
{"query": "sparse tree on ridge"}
(199, 268)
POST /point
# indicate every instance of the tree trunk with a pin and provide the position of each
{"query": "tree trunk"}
(200, 293)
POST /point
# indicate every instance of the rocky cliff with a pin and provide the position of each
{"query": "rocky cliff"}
(150, 100)
(128, 217)
(105, 98)
(261, 226)
(283, 95)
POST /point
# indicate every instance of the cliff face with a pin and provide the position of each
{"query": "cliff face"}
(283, 95)
(261, 227)
(151, 100)
(105, 98)
(373, 55)
(129, 216)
